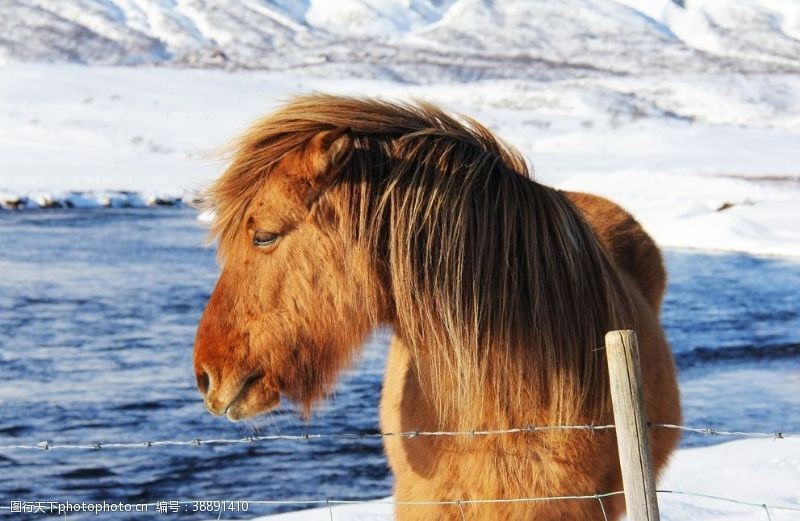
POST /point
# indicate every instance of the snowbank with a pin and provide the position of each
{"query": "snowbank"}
(761, 471)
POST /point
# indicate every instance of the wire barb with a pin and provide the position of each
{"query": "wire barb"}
(461, 509)
(602, 507)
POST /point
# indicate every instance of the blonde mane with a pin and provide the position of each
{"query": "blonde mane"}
(499, 287)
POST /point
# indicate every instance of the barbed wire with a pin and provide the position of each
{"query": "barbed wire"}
(458, 502)
(389, 502)
(46, 445)
(765, 506)
(706, 431)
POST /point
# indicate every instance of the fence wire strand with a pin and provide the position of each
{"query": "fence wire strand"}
(731, 500)
(706, 431)
(46, 445)
(460, 502)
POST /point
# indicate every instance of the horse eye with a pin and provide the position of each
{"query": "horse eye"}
(262, 239)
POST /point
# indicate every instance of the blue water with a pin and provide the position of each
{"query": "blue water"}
(98, 310)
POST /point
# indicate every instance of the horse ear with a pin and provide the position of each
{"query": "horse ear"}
(328, 152)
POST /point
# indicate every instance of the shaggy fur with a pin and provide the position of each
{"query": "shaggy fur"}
(499, 290)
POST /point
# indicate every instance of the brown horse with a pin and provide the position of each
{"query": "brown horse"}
(338, 215)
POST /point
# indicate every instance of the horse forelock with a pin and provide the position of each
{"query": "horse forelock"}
(499, 287)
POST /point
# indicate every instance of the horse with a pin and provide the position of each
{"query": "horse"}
(340, 215)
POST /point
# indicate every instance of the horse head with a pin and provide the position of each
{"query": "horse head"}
(288, 310)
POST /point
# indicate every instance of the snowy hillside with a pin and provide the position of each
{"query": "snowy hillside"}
(704, 161)
(413, 40)
(687, 112)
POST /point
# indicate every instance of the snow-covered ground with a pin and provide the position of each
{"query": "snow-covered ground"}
(687, 113)
(704, 161)
(760, 471)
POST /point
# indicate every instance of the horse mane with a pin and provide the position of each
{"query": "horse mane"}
(500, 288)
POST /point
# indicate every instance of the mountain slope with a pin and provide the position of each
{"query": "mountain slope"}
(411, 39)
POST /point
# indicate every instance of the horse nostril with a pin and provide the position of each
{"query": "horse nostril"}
(203, 382)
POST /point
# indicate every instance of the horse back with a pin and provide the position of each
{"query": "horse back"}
(631, 248)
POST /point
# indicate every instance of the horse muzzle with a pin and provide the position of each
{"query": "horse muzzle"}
(238, 399)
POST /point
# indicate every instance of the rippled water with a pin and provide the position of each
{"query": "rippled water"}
(98, 310)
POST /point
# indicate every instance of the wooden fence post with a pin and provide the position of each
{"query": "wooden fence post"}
(638, 478)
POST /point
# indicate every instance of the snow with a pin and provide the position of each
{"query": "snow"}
(687, 113)
(703, 161)
(464, 39)
(761, 471)
(714, 26)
